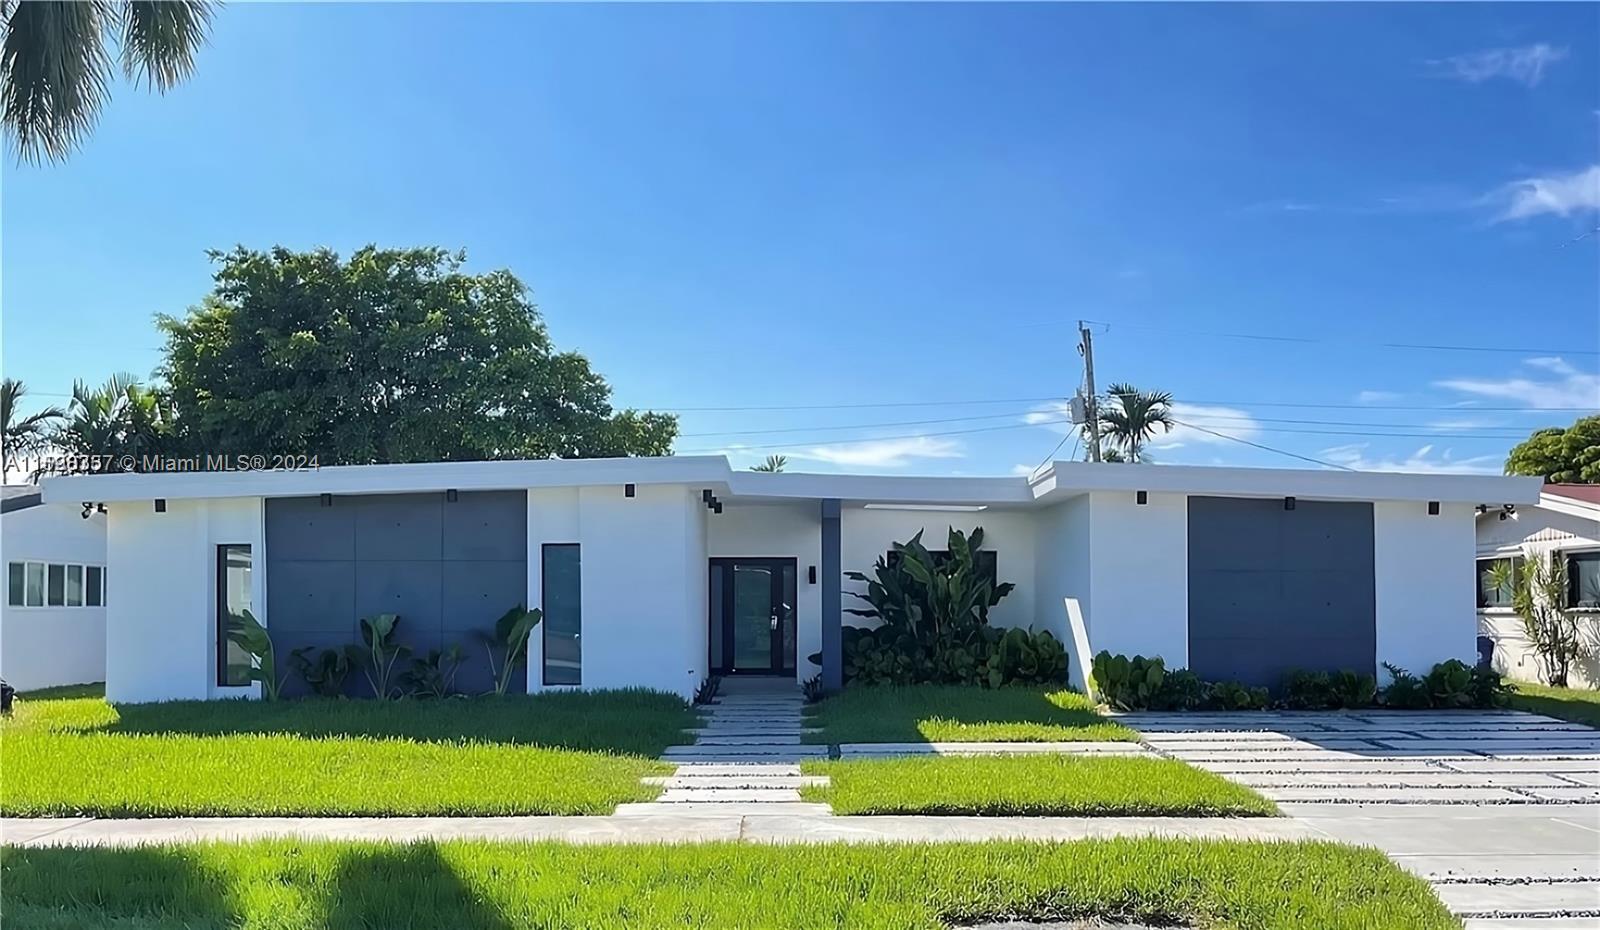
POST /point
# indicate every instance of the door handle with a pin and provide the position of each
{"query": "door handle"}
(774, 619)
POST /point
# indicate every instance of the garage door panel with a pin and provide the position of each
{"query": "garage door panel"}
(1234, 592)
(1239, 534)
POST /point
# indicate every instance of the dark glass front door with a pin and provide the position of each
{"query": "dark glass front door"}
(752, 616)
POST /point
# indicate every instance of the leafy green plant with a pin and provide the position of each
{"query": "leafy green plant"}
(377, 654)
(245, 631)
(811, 689)
(1128, 684)
(1449, 684)
(707, 690)
(1490, 688)
(933, 598)
(1181, 689)
(325, 674)
(1405, 690)
(1307, 690)
(434, 674)
(1233, 695)
(1353, 690)
(508, 645)
(1538, 589)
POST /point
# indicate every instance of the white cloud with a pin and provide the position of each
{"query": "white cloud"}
(1424, 461)
(1556, 194)
(1568, 388)
(1225, 420)
(1524, 64)
(1023, 470)
(1057, 417)
(882, 453)
(1376, 397)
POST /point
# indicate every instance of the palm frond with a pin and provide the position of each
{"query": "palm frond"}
(54, 75)
(160, 39)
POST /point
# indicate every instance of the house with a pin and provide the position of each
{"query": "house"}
(53, 614)
(1564, 525)
(657, 572)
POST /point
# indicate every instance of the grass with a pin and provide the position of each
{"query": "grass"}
(1579, 705)
(957, 713)
(1032, 785)
(568, 753)
(288, 885)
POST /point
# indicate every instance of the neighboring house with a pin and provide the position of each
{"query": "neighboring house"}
(52, 615)
(1563, 525)
(657, 572)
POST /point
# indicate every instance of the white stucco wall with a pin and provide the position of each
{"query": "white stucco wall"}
(643, 609)
(1061, 570)
(1536, 532)
(780, 531)
(161, 625)
(45, 646)
(1423, 575)
(1139, 575)
(865, 535)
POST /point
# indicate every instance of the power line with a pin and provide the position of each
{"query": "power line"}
(843, 442)
(1257, 445)
(1310, 340)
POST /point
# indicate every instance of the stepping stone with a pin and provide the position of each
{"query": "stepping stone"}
(728, 795)
(757, 808)
(761, 769)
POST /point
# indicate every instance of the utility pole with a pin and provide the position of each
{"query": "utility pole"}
(1092, 403)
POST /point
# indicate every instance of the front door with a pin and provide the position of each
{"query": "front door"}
(752, 616)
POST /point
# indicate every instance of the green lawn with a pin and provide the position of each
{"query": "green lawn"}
(1033, 785)
(956, 713)
(1580, 705)
(567, 753)
(287, 885)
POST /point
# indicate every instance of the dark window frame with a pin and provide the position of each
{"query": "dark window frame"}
(544, 601)
(1570, 560)
(17, 588)
(1478, 576)
(97, 591)
(221, 579)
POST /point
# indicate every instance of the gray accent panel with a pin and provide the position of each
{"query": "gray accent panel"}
(1271, 590)
(449, 569)
(832, 600)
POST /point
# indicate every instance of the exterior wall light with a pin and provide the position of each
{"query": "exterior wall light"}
(628, 490)
(1433, 508)
(161, 505)
(1141, 497)
(452, 495)
(1288, 503)
(326, 500)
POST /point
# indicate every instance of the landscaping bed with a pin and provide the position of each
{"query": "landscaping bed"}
(961, 713)
(572, 753)
(1031, 785)
(1579, 705)
(287, 885)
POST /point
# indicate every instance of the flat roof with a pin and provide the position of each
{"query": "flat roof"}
(1054, 482)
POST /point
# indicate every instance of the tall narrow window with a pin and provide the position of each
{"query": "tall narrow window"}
(56, 589)
(74, 585)
(233, 599)
(16, 583)
(35, 596)
(93, 586)
(1583, 580)
(562, 597)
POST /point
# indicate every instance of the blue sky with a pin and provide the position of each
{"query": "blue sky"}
(835, 205)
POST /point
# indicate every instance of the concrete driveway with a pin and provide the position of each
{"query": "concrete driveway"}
(1499, 809)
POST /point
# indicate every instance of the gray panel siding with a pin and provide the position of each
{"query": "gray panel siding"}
(449, 569)
(1272, 590)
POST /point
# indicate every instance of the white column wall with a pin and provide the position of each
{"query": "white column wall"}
(45, 646)
(1061, 570)
(865, 535)
(779, 531)
(161, 625)
(1425, 584)
(643, 619)
(1139, 575)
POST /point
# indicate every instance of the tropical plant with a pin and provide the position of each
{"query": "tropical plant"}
(390, 355)
(773, 464)
(1181, 689)
(811, 689)
(119, 418)
(23, 434)
(1538, 589)
(434, 674)
(1405, 690)
(706, 691)
(55, 69)
(1568, 455)
(377, 654)
(1233, 695)
(931, 597)
(324, 674)
(1353, 690)
(1307, 690)
(1449, 684)
(1128, 684)
(245, 631)
(1133, 417)
(508, 644)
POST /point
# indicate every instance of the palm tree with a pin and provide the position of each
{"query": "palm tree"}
(774, 463)
(23, 434)
(121, 417)
(55, 67)
(1133, 419)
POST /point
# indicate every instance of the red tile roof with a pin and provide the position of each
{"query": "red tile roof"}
(1578, 492)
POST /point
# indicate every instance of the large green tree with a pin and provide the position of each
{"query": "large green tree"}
(1562, 456)
(394, 355)
(121, 417)
(56, 64)
(1131, 418)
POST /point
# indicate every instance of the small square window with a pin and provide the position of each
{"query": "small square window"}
(16, 583)
(74, 585)
(56, 586)
(1583, 580)
(93, 586)
(1490, 595)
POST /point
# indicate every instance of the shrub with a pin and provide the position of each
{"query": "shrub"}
(1180, 690)
(433, 675)
(325, 674)
(1406, 691)
(377, 654)
(245, 631)
(1355, 690)
(707, 691)
(987, 656)
(508, 645)
(1128, 684)
(1538, 590)
(1233, 695)
(1303, 690)
(1489, 688)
